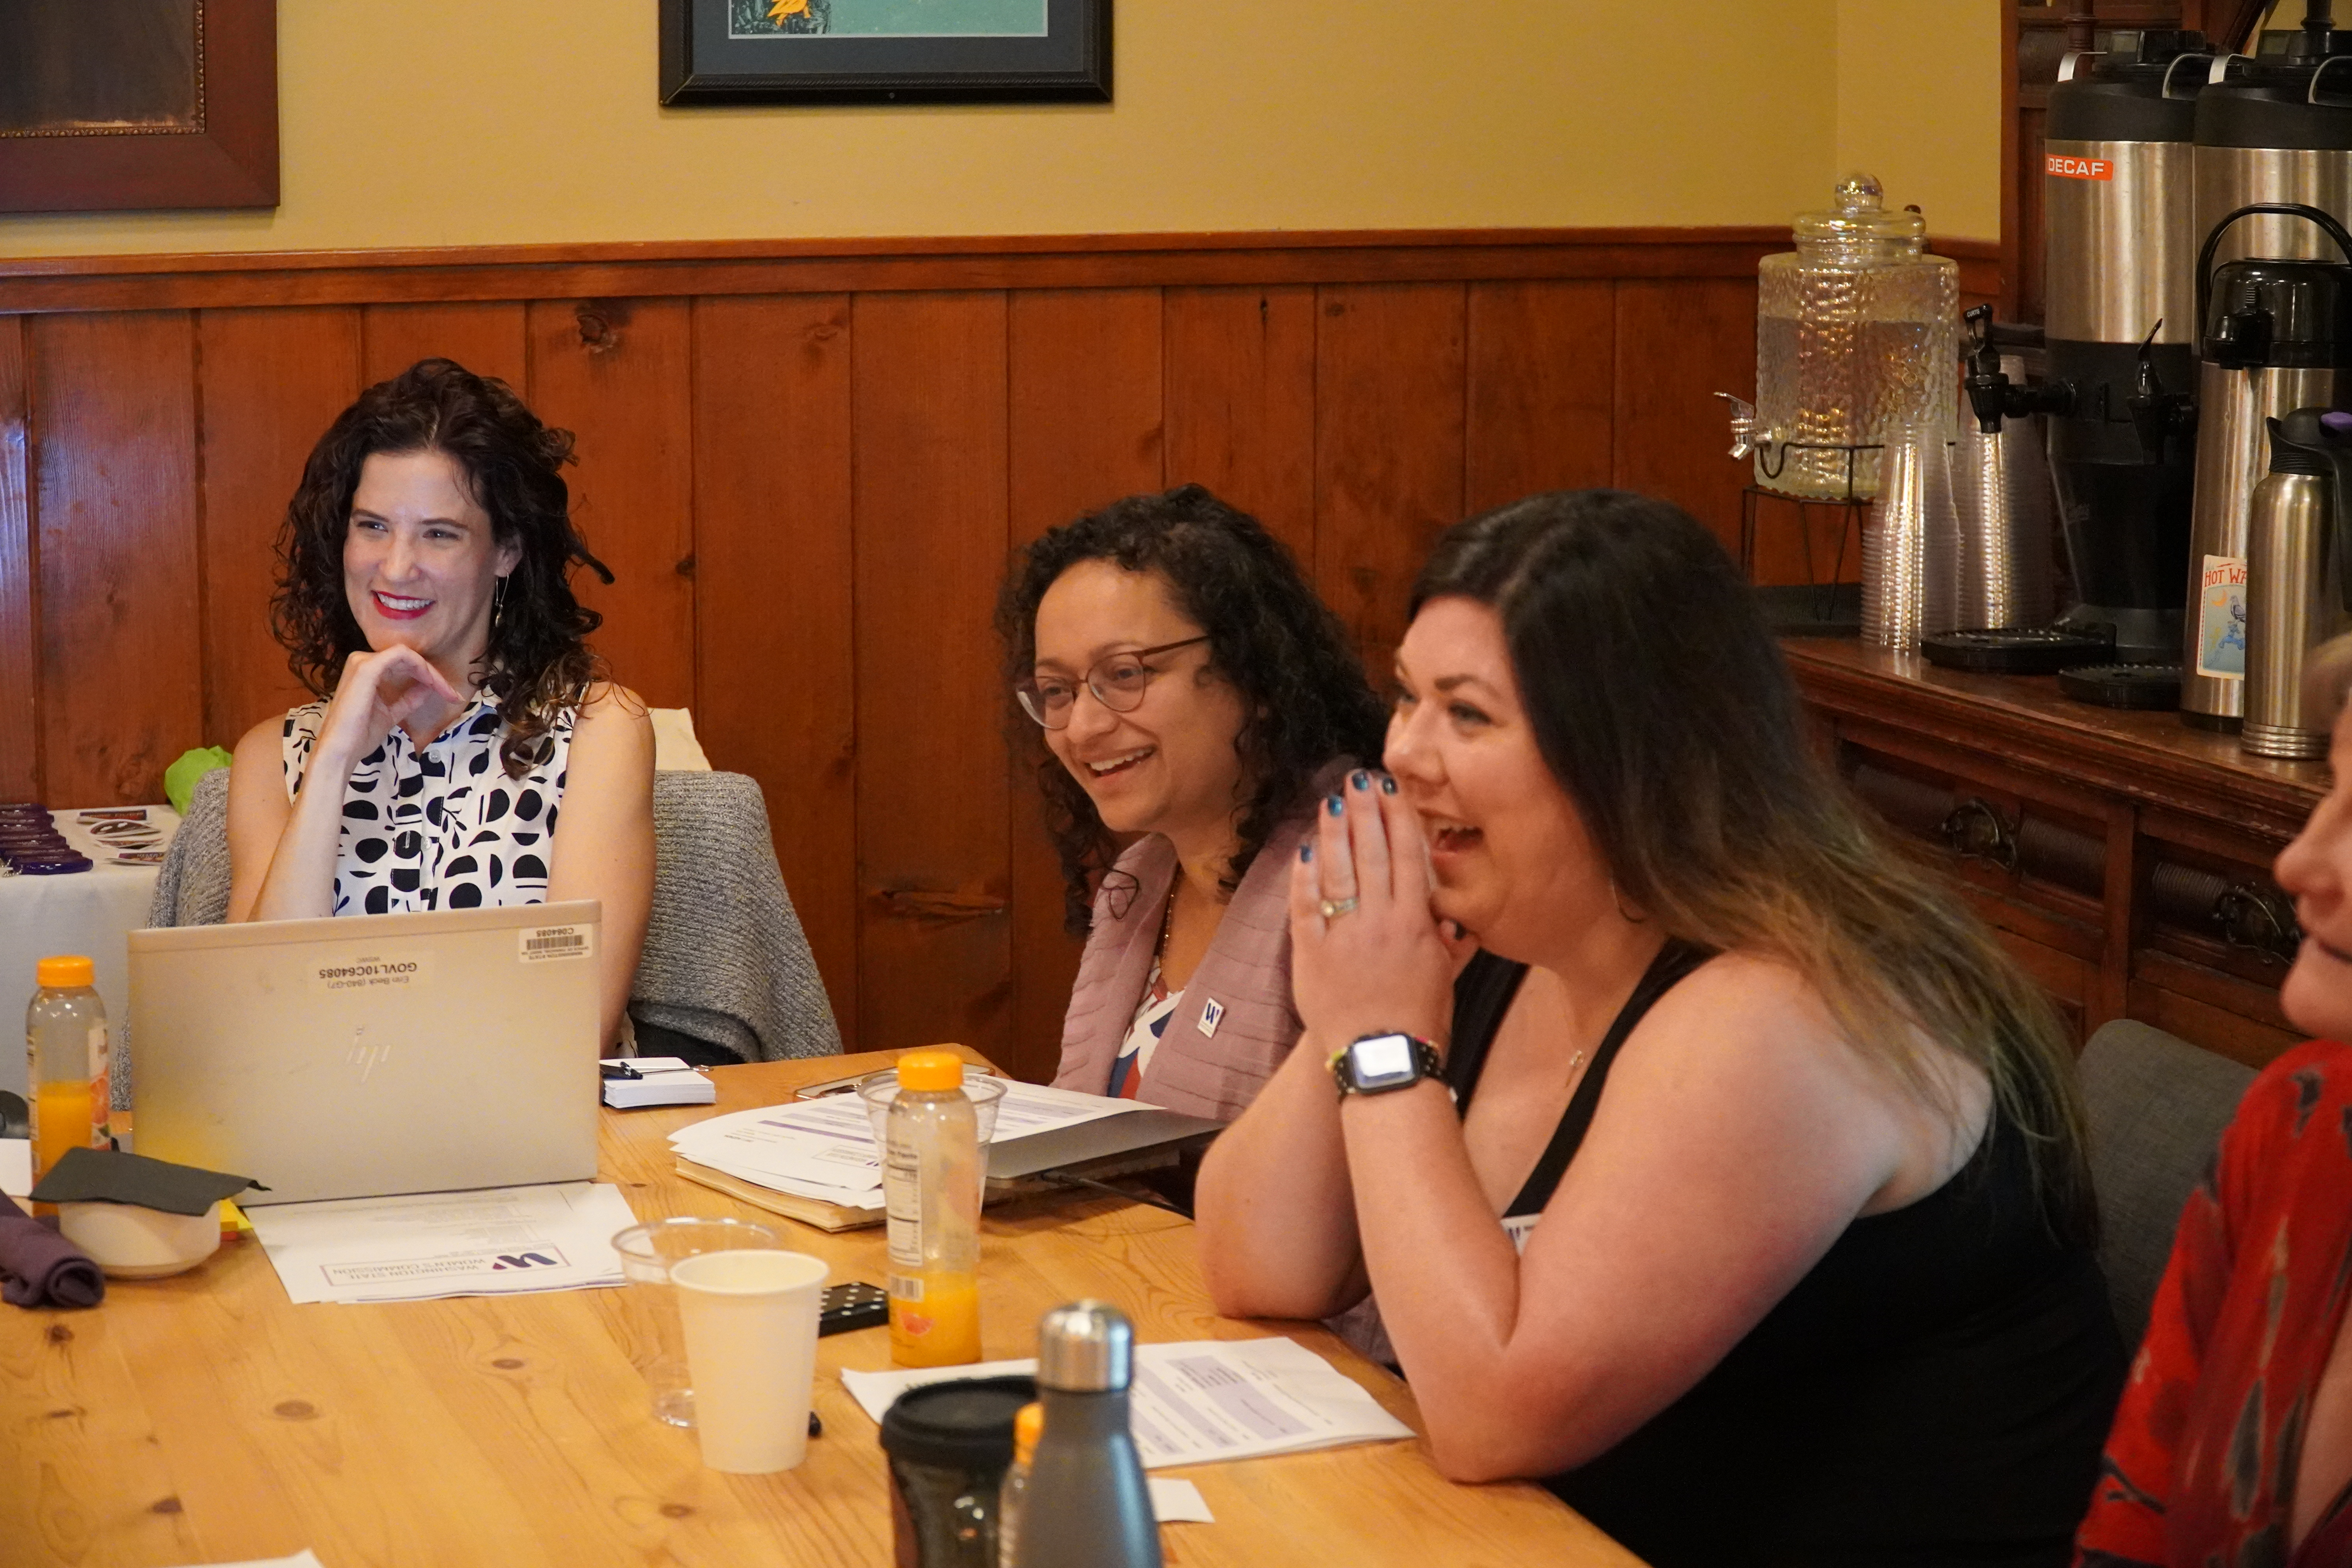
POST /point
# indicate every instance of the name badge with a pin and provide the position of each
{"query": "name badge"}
(1211, 1016)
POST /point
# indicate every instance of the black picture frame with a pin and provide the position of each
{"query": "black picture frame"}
(702, 64)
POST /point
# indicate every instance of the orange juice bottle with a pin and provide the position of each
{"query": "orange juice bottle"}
(931, 1180)
(69, 1061)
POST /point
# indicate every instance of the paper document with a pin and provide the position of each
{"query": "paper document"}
(660, 1080)
(825, 1148)
(1204, 1400)
(16, 1167)
(494, 1242)
(302, 1559)
(1179, 1502)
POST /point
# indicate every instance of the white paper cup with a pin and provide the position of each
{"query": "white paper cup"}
(750, 1317)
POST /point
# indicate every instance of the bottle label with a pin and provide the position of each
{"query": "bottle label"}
(2221, 617)
(906, 1287)
(902, 1198)
(102, 1085)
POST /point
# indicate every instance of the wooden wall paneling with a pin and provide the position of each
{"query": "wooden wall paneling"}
(1542, 389)
(934, 944)
(268, 384)
(1085, 427)
(1391, 378)
(487, 339)
(20, 714)
(679, 268)
(618, 374)
(775, 681)
(115, 468)
(1240, 402)
(1679, 342)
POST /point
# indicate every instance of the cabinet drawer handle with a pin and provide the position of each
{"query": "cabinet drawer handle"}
(1976, 830)
(2259, 919)
(928, 904)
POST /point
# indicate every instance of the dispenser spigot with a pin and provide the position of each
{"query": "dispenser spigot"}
(2157, 415)
(1992, 396)
(1750, 435)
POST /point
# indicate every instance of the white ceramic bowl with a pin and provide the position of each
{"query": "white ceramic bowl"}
(127, 1242)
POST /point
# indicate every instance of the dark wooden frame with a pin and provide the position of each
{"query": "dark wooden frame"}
(1073, 64)
(232, 162)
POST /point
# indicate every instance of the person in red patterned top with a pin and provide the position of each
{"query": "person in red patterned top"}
(2232, 1445)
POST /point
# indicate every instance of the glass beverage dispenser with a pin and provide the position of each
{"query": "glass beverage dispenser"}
(1855, 336)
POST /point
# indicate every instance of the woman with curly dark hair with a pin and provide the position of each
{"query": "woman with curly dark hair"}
(1194, 695)
(425, 597)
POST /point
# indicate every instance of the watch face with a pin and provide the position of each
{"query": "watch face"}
(1384, 1062)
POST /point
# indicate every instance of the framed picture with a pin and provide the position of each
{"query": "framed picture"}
(884, 51)
(137, 104)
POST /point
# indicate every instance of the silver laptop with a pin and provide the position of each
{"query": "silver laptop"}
(372, 1055)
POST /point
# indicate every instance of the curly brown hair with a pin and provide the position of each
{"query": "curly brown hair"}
(538, 661)
(1278, 643)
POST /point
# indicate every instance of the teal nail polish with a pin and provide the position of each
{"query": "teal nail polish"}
(1360, 779)
(1335, 806)
(1388, 784)
(1306, 853)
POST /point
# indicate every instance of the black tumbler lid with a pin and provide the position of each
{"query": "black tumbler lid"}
(965, 1424)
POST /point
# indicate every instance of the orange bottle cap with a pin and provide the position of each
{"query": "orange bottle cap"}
(933, 1070)
(1027, 1425)
(63, 972)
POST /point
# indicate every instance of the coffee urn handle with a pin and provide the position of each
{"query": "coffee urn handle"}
(2336, 231)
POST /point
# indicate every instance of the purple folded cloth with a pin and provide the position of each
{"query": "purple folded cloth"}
(38, 1268)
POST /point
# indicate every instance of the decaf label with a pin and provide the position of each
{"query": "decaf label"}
(2221, 617)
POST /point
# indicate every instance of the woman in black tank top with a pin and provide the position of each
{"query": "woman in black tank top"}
(1758, 1226)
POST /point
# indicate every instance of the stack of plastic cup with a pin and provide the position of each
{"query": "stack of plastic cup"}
(1909, 542)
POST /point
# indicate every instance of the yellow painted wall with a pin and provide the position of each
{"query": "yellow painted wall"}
(1920, 106)
(443, 122)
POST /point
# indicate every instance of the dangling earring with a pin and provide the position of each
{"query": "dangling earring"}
(498, 604)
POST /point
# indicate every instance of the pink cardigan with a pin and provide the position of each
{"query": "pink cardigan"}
(1214, 1073)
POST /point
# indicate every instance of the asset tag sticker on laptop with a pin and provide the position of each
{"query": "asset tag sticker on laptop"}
(535, 944)
(369, 971)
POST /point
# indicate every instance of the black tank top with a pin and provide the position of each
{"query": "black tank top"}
(1935, 1391)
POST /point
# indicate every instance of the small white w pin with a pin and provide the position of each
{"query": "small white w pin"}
(1211, 1016)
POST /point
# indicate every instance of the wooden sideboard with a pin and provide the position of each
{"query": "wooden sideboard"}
(2122, 857)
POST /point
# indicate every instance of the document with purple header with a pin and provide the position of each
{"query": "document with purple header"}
(1204, 1400)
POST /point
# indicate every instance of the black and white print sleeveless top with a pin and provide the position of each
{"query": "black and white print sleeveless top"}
(441, 827)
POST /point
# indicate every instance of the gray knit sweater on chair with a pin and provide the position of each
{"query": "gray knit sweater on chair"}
(725, 960)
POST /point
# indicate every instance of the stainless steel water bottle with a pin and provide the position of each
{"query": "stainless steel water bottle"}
(2294, 598)
(1087, 1505)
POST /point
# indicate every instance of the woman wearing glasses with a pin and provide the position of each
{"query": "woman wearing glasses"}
(1193, 694)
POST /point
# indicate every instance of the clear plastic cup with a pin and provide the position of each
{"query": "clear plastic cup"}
(648, 1253)
(878, 1089)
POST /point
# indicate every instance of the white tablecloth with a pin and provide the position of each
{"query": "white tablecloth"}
(90, 912)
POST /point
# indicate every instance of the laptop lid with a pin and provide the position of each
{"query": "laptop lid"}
(1108, 1141)
(367, 1055)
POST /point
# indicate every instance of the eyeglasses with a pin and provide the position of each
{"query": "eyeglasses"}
(1117, 679)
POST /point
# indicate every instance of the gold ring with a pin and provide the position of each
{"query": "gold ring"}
(1334, 908)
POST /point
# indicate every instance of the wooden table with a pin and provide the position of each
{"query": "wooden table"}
(205, 1419)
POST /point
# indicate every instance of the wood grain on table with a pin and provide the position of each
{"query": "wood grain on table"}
(205, 1419)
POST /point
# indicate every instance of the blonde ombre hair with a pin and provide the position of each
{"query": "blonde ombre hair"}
(1661, 704)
